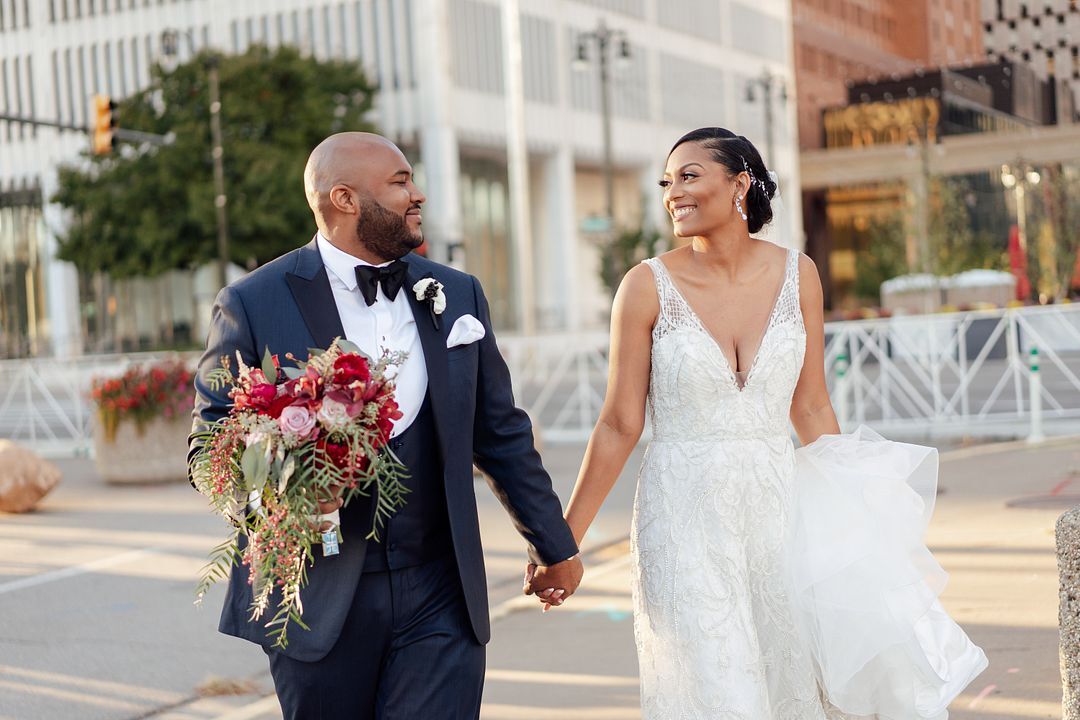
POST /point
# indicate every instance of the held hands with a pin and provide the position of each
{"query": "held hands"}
(552, 584)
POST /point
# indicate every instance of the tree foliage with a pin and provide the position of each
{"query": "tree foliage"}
(955, 245)
(147, 210)
(881, 255)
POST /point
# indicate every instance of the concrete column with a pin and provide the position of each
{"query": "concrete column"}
(558, 299)
(60, 278)
(438, 140)
(1068, 552)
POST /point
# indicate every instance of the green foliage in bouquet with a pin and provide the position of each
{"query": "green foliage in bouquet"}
(293, 437)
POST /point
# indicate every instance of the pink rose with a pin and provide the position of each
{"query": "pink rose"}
(297, 420)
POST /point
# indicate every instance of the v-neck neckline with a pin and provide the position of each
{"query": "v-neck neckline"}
(732, 372)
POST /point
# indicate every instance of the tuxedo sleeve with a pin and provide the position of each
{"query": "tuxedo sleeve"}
(503, 448)
(229, 332)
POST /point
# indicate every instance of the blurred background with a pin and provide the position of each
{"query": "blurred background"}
(152, 150)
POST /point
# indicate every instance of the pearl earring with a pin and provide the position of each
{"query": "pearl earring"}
(739, 208)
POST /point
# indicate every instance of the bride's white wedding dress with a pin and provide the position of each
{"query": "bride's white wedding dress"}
(770, 583)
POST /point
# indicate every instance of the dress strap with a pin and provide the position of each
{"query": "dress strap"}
(789, 306)
(671, 310)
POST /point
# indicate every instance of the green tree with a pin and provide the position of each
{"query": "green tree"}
(880, 255)
(629, 248)
(1063, 214)
(955, 245)
(144, 211)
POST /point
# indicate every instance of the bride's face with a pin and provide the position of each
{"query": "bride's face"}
(699, 193)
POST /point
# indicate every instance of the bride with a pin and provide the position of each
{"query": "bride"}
(769, 582)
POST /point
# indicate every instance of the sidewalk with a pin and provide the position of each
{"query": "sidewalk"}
(96, 590)
(993, 530)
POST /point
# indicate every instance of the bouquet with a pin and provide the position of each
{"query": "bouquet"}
(293, 436)
(142, 394)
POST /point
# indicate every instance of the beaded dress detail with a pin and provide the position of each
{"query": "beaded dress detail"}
(715, 634)
(749, 603)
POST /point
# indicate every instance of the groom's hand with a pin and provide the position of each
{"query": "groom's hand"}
(329, 504)
(552, 584)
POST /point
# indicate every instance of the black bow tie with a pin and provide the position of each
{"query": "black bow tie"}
(391, 277)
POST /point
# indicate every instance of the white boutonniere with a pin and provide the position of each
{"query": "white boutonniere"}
(430, 290)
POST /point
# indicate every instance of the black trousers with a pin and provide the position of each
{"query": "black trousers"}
(407, 651)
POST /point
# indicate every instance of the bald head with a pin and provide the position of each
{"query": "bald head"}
(350, 158)
(357, 180)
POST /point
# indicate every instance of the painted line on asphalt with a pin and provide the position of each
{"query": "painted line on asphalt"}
(269, 703)
(982, 696)
(76, 570)
(1061, 486)
(528, 602)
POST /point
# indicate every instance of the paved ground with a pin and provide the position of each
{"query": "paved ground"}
(96, 618)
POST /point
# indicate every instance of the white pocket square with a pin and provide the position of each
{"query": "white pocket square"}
(466, 330)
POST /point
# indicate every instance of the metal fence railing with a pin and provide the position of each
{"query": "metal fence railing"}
(929, 375)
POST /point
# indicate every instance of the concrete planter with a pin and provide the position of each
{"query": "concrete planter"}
(157, 454)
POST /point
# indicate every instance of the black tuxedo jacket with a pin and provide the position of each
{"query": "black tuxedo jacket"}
(287, 306)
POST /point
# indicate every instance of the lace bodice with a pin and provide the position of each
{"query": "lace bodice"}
(694, 393)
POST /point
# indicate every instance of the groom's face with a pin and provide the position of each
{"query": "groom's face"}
(390, 223)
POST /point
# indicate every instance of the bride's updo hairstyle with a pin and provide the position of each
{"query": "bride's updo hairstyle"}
(737, 154)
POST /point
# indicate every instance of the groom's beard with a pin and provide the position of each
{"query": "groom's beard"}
(384, 232)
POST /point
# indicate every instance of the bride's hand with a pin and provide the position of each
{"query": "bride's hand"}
(555, 583)
(548, 597)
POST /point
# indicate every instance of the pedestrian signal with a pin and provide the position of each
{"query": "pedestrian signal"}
(103, 132)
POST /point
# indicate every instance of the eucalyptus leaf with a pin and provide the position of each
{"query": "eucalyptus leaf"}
(268, 367)
(292, 373)
(255, 465)
(287, 470)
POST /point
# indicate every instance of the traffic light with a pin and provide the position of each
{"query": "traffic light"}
(103, 138)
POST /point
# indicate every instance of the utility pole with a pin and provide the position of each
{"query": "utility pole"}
(604, 38)
(170, 45)
(767, 83)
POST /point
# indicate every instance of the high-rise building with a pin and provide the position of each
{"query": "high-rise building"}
(843, 41)
(1044, 35)
(443, 98)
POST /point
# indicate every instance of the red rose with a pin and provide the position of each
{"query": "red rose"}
(338, 453)
(278, 404)
(351, 368)
(262, 395)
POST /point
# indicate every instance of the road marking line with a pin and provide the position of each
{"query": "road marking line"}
(982, 696)
(76, 570)
(528, 602)
(1061, 486)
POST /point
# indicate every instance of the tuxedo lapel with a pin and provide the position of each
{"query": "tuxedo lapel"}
(311, 290)
(434, 345)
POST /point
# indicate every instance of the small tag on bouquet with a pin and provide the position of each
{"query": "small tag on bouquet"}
(330, 543)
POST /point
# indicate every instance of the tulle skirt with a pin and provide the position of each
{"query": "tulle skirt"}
(864, 586)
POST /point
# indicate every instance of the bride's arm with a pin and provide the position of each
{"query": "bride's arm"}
(622, 418)
(811, 410)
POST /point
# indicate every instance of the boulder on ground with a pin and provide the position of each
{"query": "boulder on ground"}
(25, 478)
(1068, 552)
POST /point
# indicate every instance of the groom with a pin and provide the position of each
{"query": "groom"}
(397, 627)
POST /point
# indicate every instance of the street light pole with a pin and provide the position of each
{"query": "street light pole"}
(604, 37)
(170, 47)
(767, 82)
(217, 153)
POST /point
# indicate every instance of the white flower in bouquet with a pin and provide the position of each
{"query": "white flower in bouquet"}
(333, 415)
(296, 422)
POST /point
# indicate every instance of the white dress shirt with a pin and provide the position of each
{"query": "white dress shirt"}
(385, 325)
